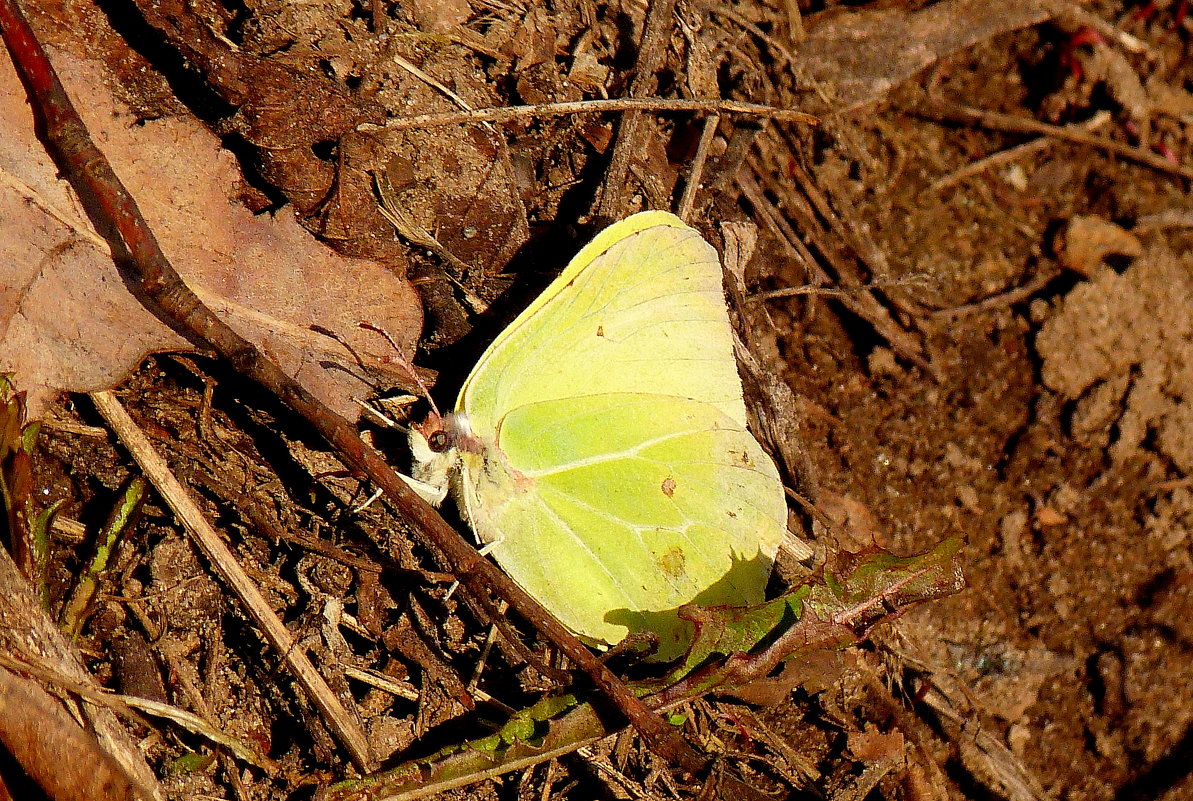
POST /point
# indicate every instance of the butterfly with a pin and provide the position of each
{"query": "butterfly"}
(599, 447)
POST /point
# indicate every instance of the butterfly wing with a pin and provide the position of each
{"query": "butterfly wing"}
(640, 309)
(624, 506)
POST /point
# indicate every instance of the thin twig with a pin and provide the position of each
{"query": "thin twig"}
(1012, 154)
(874, 772)
(431, 81)
(795, 21)
(813, 289)
(652, 49)
(864, 304)
(164, 292)
(382, 682)
(696, 173)
(830, 620)
(1001, 300)
(490, 638)
(1171, 484)
(183, 505)
(407, 226)
(993, 120)
(782, 230)
(1003, 773)
(1169, 218)
(1072, 16)
(438, 86)
(644, 104)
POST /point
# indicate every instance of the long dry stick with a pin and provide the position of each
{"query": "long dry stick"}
(151, 276)
(993, 120)
(633, 104)
(1012, 154)
(696, 173)
(338, 719)
(656, 33)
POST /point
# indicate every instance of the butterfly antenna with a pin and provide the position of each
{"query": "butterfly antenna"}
(404, 363)
(381, 416)
(345, 344)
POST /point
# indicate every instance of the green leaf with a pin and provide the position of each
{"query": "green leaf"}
(852, 594)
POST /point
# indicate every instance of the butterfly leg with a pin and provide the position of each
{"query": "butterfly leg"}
(431, 492)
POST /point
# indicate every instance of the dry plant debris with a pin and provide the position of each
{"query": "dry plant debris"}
(950, 363)
(1121, 348)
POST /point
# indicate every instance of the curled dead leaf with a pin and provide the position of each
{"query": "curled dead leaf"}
(1087, 240)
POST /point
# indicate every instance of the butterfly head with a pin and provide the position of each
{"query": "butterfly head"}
(436, 444)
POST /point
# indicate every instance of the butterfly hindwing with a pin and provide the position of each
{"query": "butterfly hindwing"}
(619, 508)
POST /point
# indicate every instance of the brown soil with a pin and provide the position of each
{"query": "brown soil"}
(1008, 355)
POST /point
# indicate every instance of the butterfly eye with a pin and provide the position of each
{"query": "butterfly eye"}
(438, 441)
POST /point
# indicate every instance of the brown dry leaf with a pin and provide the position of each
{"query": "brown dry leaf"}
(873, 745)
(534, 41)
(813, 673)
(1132, 331)
(68, 322)
(1088, 239)
(439, 16)
(288, 105)
(458, 183)
(857, 56)
(854, 524)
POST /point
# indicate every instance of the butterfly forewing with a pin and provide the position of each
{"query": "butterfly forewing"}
(642, 311)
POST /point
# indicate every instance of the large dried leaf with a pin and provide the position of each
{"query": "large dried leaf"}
(857, 56)
(37, 731)
(68, 322)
